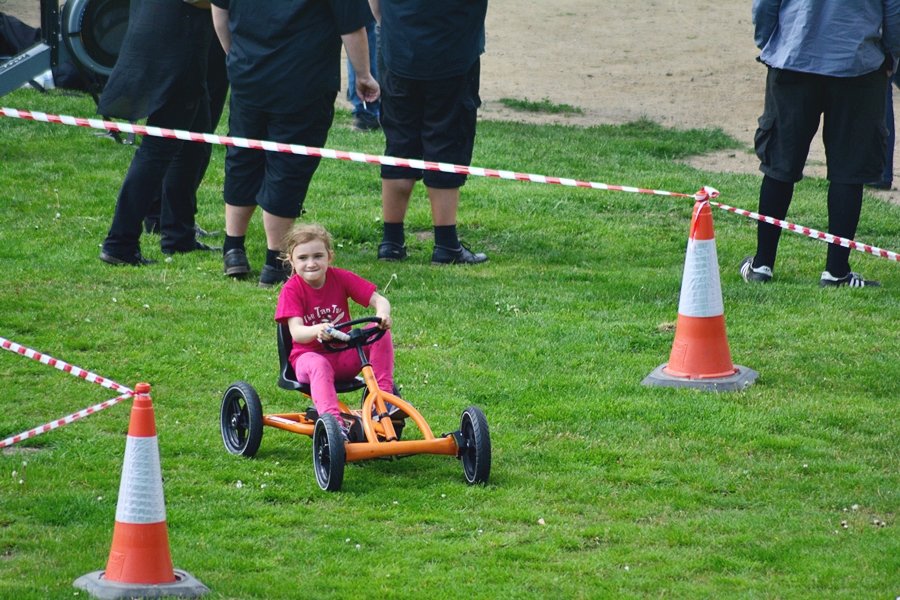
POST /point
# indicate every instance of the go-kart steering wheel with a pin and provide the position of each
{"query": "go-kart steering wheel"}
(356, 338)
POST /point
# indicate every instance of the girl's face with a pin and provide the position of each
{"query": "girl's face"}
(310, 261)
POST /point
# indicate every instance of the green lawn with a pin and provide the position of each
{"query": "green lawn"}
(600, 487)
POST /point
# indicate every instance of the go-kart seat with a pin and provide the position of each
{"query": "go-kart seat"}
(287, 379)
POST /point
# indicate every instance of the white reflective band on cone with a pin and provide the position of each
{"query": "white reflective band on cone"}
(141, 498)
(701, 293)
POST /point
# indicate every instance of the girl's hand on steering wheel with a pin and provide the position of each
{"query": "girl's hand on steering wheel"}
(386, 321)
(322, 334)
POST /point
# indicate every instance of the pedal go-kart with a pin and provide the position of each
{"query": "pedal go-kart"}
(375, 430)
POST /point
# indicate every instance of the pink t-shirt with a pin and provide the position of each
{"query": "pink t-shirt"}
(327, 304)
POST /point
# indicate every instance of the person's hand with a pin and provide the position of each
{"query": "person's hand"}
(367, 88)
(322, 334)
(386, 321)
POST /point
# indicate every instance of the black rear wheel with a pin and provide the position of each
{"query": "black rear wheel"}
(476, 451)
(328, 453)
(241, 419)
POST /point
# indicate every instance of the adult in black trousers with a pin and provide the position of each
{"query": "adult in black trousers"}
(217, 85)
(161, 75)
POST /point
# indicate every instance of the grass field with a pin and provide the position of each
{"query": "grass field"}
(600, 487)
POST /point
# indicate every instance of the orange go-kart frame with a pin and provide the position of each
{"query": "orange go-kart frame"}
(376, 431)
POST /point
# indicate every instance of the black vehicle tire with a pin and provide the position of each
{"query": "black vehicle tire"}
(241, 419)
(328, 453)
(93, 31)
(476, 454)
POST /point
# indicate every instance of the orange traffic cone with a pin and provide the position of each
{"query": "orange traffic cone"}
(700, 357)
(140, 564)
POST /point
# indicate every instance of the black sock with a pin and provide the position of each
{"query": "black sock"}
(272, 258)
(394, 233)
(774, 200)
(445, 235)
(233, 242)
(844, 206)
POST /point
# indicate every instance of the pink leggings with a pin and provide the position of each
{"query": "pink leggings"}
(320, 371)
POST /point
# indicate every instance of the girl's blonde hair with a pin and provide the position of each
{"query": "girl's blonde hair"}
(302, 234)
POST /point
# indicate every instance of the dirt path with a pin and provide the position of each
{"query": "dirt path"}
(681, 63)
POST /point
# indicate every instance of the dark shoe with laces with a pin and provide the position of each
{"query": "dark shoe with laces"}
(456, 256)
(236, 263)
(391, 251)
(135, 260)
(271, 276)
(198, 245)
(851, 279)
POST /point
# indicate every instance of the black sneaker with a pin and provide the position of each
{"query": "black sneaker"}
(453, 256)
(236, 263)
(135, 260)
(198, 245)
(391, 251)
(851, 279)
(365, 121)
(754, 274)
(272, 276)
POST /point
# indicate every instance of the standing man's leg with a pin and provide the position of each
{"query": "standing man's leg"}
(793, 106)
(448, 135)
(287, 178)
(855, 139)
(401, 117)
(179, 190)
(395, 196)
(844, 208)
(217, 85)
(143, 183)
(244, 173)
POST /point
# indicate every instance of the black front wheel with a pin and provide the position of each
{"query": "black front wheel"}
(476, 451)
(241, 419)
(329, 455)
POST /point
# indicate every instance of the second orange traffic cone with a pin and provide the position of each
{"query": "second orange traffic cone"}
(700, 356)
(140, 564)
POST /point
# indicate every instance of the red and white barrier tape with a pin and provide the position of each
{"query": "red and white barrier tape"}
(813, 233)
(63, 421)
(209, 138)
(63, 366)
(412, 163)
(67, 368)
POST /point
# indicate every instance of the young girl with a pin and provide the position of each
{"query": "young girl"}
(312, 300)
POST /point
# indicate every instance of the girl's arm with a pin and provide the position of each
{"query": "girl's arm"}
(382, 309)
(304, 334)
